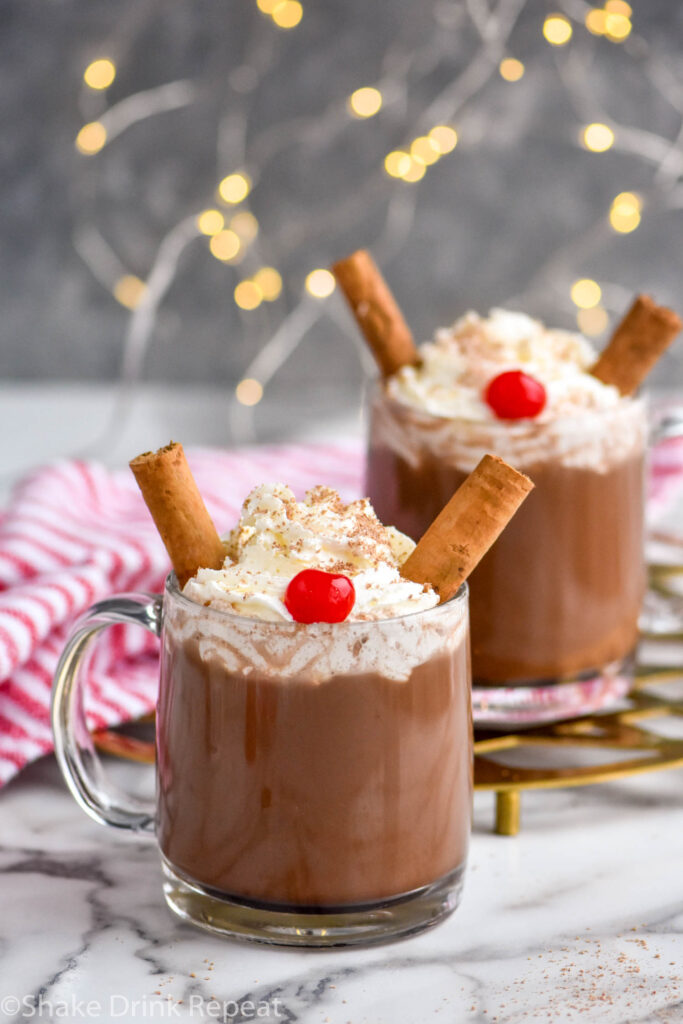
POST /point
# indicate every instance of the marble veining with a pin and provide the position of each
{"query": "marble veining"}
(580, 917)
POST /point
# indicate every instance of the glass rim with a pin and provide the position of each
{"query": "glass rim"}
(172, 589)
(377, 388)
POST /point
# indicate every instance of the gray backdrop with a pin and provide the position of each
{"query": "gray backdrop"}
(514, 214)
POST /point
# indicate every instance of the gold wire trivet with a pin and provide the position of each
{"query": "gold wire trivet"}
(611, 731)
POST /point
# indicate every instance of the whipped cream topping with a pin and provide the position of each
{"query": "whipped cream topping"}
(277, 537)
(459, 363)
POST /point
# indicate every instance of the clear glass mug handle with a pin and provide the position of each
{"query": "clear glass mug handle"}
(662, 613)
(76, 754)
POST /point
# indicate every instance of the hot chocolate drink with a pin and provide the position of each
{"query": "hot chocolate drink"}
(313, 764)
(314, 744)
(560, 593)
(387, 814)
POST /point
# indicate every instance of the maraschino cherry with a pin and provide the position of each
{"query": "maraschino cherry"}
(514, 395)
(317, 596)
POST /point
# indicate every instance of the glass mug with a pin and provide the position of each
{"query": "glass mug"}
(314, 782)
(555, 604)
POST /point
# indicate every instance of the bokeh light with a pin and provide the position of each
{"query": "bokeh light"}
(595, 21)
(424, 150)
(397, 163)
(592, 321)
(320, 283)
(444, 138)
(248, 295)
(365, 102)
(210, 222)
(586, 293)
(617, 27)
(415, 172)
(612, 21)
(268, 279)
(91, 138)
(625, 212)
(100, 74)
(249, 391)
(235, 188)
(245, 225)
(129, 291)
(619, 7)
(287, 14)
(597, 137)
(225, 245)
(557, 29)
(511, 69)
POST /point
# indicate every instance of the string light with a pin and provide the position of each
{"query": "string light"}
(619, 7)
(225, 245)
(624, 214)
(557, 29)
(612, 21)
(415, 172)
(129, 291)
(249, 391)
(287, 14)
(511, 69)
(210, 222)
(592, 322)
(424, 150)
(100, 74)
(617, 27)
(233, 234)
(245, 225)
(397, 163)
(235, 188)
(597, 137)
(248, 295)
(269, 281)
(444, 137)
(596, 21)
(320, 283)
(91, 138)
(586, 293)
(365, 102)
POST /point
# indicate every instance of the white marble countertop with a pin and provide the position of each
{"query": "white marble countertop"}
(579, 917)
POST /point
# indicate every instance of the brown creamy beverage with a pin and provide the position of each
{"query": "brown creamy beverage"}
(298, 792)
(559, 595)
(560, 592)
(314, 725)
(314, 719)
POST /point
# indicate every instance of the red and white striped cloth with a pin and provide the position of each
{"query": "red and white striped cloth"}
(75, 533)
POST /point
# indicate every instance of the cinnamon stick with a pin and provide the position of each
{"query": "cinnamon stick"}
(466, 528)
(636, 345)
(376, 311)
(177, 508)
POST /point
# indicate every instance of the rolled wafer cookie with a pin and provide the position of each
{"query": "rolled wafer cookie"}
(466, 528)
(178, 510)
(376, 311)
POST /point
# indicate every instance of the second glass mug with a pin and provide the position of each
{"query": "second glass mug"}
(555, 604)
(314, 782)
